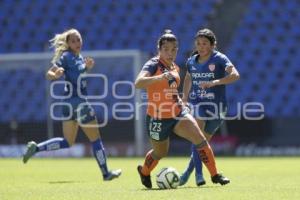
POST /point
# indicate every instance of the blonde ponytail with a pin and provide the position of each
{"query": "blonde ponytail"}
(59, 43)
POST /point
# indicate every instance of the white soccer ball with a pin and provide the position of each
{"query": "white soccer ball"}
(167, 178)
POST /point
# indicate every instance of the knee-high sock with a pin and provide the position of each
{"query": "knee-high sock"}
(53, 144)
(196, 160)
(149, 163)
(207, 156)
(190, 167)
(99, 153)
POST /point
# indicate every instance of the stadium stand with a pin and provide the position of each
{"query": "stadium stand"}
(104, 25)
(261, 48)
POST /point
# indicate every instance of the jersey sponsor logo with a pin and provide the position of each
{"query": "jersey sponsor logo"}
(81, 67)
(198, 82)
(203, 75)
(193, 68)
(154, 135)
(78, 62)
(209, 95)
(203, 94)
(212, 67)
(173, 85)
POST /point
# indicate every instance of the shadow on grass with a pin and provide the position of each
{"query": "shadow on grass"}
(180, 188)
(63, 182)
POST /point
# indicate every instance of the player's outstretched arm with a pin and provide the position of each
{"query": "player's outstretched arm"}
(54, 73)
(232, 76)
(144, 79)
(186, 87)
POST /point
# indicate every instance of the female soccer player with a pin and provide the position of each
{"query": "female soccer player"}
(69, 62)
(165, 112)
(208, 71)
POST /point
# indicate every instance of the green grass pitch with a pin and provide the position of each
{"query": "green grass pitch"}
(251, 178)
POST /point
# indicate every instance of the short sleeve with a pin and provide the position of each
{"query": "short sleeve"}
(150, 67)
(62, 61)
(224, 61)
(187, 65)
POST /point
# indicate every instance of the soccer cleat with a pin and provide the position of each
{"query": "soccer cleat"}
(219, 178)
(112, 175)
(200, 180)
(184, 178)
(31, 150)
(146, 180)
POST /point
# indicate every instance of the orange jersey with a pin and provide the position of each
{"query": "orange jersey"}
(163, 97)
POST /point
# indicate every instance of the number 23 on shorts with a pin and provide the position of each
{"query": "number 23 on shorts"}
(155, 129)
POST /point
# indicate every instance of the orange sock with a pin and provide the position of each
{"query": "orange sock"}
(207, 156)
(149, 164)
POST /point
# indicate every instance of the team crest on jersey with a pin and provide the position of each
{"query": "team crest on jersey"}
(212, 67)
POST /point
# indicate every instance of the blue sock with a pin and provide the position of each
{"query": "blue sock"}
(53, 144)
(100, 156)
(191, 166)
(197, 161)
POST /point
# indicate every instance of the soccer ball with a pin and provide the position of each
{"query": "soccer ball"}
(167, 178)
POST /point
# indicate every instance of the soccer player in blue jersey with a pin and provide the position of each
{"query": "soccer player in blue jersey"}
(208, 71)
(68, 62)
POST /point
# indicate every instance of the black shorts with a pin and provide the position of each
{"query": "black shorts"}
(160, 129)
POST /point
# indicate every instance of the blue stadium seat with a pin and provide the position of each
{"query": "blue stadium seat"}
(264, 60)
(46, 15)
(107, 25)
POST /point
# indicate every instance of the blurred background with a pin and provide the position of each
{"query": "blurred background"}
(260, 37)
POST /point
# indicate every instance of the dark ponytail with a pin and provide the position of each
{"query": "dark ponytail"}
(166, 36)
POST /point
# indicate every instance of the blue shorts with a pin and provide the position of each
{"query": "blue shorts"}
(81, 110)
(212, 124)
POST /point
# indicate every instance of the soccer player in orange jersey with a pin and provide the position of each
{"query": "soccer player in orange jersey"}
(166, 113)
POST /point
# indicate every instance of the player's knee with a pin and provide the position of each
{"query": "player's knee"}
(208, 136)
(201, 144)
(198, 138)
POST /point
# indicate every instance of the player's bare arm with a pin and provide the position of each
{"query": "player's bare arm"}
(54, 73)
(89, 63)
(144, 79)
(232, 76)
(186, 87)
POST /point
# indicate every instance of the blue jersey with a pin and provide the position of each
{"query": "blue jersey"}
(74, 66)
(212, 69)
